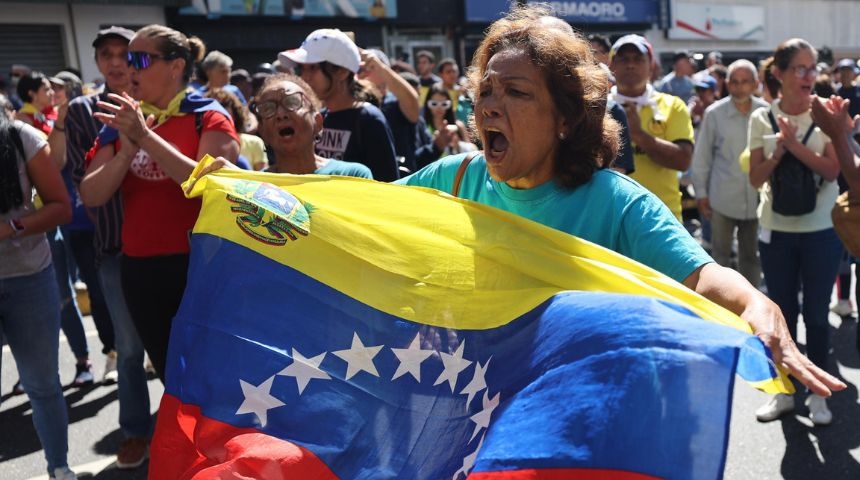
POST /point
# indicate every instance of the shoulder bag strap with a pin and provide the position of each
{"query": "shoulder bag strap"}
(461, 170)
(773, 124)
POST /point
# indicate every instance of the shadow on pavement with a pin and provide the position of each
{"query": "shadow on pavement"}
(823, 452)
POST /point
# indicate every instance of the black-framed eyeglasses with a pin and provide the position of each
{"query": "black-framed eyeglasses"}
(143, 60)
(291, 102)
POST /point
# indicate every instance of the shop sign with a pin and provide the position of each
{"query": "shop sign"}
(696, 21)
(370, 9)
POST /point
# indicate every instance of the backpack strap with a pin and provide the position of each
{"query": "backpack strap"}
(461, 170)
(773, 124)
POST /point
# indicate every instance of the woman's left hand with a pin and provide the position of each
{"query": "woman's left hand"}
(125, 116)
(769, 325)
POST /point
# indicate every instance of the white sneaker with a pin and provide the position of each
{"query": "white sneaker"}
(818, 411)
(778, 405)
(64, 473)
(110, 376)
(843, 308)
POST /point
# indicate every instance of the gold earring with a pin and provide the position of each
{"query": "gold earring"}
(561, 136)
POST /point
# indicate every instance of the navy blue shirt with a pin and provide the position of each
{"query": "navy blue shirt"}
(360, 135)
(402, 130)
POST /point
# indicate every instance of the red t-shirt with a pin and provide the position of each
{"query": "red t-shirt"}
(158, 217)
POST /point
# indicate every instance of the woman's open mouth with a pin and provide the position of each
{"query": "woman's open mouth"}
(496, 145)
(286, 132)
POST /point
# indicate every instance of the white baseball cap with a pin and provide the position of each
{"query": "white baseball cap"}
(324, 45)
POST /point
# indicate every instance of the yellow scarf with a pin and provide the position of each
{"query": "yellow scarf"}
(31, 109)
(172, 109)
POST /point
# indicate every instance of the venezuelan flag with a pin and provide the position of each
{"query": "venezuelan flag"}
(335, 327)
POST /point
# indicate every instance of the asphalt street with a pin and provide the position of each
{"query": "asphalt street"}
(790, 448)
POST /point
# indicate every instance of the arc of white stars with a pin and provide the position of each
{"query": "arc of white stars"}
(411, 359)
(478, 383)
(469, 461)
(258, 400)
(482, 418)
(305, 369)
(454, 364)
(359, 358)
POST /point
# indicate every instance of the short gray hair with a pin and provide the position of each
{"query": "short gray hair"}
(216, 59)
(743, 63)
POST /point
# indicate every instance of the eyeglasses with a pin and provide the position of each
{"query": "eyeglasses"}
(143, 60)
(291, 102)
(801, 71)
(438, 104)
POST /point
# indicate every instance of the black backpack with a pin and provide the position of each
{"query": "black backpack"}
(792, 183)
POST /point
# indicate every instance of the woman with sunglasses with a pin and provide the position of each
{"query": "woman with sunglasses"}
(447, 133)
(796, 248)
(147, 149)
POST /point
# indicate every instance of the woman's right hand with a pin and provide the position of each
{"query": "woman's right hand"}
(125, 116)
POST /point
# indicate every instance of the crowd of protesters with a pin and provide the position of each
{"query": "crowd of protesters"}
(107, 161)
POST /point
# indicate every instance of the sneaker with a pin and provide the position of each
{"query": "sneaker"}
(63, 473)
(843, 308)
(818, 411)
(110, 376)
(778, 405)
(83, 375)
(17, 389)
(132, 453)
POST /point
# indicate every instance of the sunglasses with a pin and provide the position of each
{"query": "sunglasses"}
(291, 102)
(438, 104)
(143, 60)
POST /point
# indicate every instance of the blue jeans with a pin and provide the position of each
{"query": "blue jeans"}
(30, 323)
(84, 252)
(65, 271)
(812, 258)
(134, 416)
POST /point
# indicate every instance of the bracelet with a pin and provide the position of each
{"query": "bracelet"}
(17, 227)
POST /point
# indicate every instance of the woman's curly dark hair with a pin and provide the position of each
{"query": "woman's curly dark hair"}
(576, 83)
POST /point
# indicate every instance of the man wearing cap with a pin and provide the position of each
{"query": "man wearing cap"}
(111, 56)
(706, 94)
(678, 82)
(723, 192)
(847, 69)
(660, 126)
(353, 130)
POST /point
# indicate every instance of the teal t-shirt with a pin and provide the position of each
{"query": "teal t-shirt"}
(610, 210)
(345, 169)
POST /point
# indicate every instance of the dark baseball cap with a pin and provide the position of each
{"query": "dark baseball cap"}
(115, 32)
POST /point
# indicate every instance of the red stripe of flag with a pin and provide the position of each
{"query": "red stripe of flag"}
(193, 447)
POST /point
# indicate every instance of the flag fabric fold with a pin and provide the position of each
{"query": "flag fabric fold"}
(329, 331)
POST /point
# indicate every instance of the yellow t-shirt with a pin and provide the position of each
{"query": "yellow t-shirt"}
(671, 124)
(254, 150)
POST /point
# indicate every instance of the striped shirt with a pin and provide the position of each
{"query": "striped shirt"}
(81, 131)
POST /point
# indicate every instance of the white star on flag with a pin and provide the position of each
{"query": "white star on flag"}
(410, 359)
(454, 364)
(258, 400)
(478, 383)
(482, 418)
(305, 369)
(358, 357)
(469, 461)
